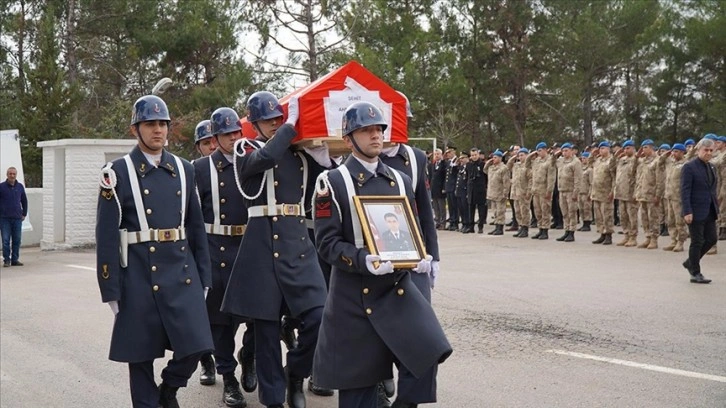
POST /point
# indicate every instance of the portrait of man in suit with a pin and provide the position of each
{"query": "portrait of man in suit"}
(396, 239)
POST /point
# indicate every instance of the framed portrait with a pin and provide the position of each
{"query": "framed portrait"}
(390, 229)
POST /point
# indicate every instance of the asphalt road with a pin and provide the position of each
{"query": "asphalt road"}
(517, 312)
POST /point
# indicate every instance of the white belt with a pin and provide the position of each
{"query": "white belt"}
(228, 230)
(158, 235)
(271, 210)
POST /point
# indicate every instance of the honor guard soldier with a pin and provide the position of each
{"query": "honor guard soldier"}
(521, 191)
(225, 219)
(544, 174)
(476, 189)
(204, 141)
(497, 189)
(569, 179)
(276, 266)
(374, 313)
(153, 260)
(625, 174)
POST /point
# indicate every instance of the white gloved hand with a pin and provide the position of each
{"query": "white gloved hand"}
(424, 265)
(321, 154)
(114, 306)
(293, 111)
(383, 268)
(434, 272)
(206, 290)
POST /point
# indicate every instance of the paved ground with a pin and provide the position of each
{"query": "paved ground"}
(514, 309)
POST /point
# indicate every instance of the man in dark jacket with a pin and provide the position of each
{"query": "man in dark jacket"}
(452, 171)
(699, 206)
(438, 192)
(476, 190)
(13, 210)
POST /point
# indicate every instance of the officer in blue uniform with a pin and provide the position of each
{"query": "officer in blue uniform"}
(277, 263)
(225, 219)
(374, 313)
(153, 260)
(461, 194)
(449, 187)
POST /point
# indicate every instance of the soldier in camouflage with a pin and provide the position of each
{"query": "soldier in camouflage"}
(648, 192)
(676, 224)
(603, 182)
(569, 180)
(543, 185)
(625, 193)
(584, 203)
(497, 189)
(521, 191)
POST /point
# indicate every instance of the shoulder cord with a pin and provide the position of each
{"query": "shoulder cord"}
(323, 187)
(108, 180)
(237, 152)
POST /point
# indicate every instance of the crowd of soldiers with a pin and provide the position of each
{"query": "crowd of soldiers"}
(559, 186)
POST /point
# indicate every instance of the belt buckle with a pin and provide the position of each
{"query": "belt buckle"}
(290, 209)
(238, 229)
(165, 235)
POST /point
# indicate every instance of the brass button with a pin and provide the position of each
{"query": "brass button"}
(302, 169)
(365, 291)
(369, 311)
(224, 200)
(146, 191)
(221, 249)
(148, 211)
(302, 238)
(302, 256)
(276, 183)
(222, 216)
(221, 183)
(406, 163)
(188, 281)
(302, 221)
(302, 187)
(153, 268)
(276, 255)
(223, 264)
(156, 288)
(400, 292)
(183, 248)
(275, 236)
(274, 219)
(276, 166)
(186, 266)
(178, 193)
(152, 249)
(393, 183)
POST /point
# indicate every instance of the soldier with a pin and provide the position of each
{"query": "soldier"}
(153, 260)
(584, 203)
(664, 164)
(203, 140)
(543, 185)
(477, 189)
(438, 193)
(277, 266)
(368, 331)
(450, 187)
(603, 180)
(498, 186)
(676, 225)
(648, 192)
(720, 164)
(225, 217)
(521, 191)
(625, 193)
(460, 192)
(569, 180)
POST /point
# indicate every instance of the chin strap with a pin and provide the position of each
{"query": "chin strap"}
(357, 148)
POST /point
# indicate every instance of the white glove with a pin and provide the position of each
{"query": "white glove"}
(293, 111)
(206, 290)
(383, 268)
(434, 272)
(114, 306)
(321, 154)
(424, 265)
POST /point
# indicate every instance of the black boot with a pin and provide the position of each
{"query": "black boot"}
(519, 233)
(599, 240)
(544, 235)
(389, 386)
(383, 401)
(570, 236)
(167, 396)
(513, 227)
(207, 377)
(499, 230)
(563, 237)
(481, 229)
(539, 233)
(533, 223)
(232, 394)
(401, 404)
(525, 232)
(608, 239)
(295, 394)
(249, 371)
(663, 230)
(287, 332)
(585, 226)
(496, 227)
(722, 235)
(318, 390)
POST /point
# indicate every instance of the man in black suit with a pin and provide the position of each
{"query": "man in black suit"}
(452, 171)
(699, 206)
(396, 239)
(438, 192)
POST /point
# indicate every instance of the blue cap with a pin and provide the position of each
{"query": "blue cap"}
(566, 146)
(541, 145)
(711, 136)
(604, 144)
(665, 146)
(689, 142)
(628, 143)
(679, 146)
(585, 154)
(498, 153)
(722, 138)
(647, 142)
(523, 150)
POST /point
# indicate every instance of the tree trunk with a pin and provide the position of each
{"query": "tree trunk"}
(21, 50)
(312, 49)
(71, 56)
(587, 112)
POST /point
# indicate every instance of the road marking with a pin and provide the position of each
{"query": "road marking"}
(650, 367)
(87, 268)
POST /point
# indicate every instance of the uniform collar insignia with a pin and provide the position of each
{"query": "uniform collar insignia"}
(219, 164)
(169, 166)
(142, 167)
(361, 177)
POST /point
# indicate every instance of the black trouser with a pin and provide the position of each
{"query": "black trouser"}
(464, 212)
(270, 373)
(514, 211)
(145, 393)
(703, 237)
(223, 336)
(556, 211)
(453, 209)
(481, 208)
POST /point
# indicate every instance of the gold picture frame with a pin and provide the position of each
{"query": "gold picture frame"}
(390, 229)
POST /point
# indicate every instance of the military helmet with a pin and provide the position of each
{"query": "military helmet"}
(362, 114)
(148, 108)
(203, 131)
(263, 105)
(225, 120)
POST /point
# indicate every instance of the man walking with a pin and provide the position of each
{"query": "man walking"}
(13, 210)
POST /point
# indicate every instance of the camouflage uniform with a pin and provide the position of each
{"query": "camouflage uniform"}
(719, 162)
(497, 189)
(544, 173)
(625, 194)
(647, 192)
(521, 190)
(583, 202)
(569, 180)
(603, 181)
(676, 224)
